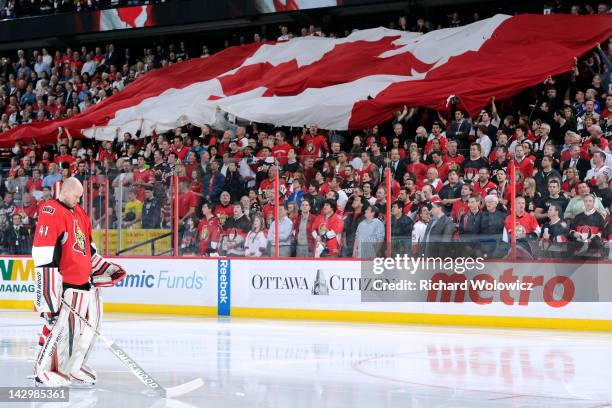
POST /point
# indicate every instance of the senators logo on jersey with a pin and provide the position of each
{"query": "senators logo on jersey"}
(79, 239)
(204, 234)
(588, 231)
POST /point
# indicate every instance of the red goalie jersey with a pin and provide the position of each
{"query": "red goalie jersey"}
(62, 239)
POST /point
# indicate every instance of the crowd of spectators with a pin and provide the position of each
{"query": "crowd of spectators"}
(10, 9)
(450, 172)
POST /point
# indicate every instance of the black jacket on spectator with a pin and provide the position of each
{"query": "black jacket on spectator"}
(112, 58)
(492, 131)
(234, 185)
(379, 160)
(541, 179)
(470, 168)
(438, 236)
(557, 133)
(401, 233)
(591, 226)
(213, 186)
(556, 160)
(292, 167)
(582, 165)
(450, 192)
(243, 223)
(350, 230)
(18, 240)
(151, 213)
(556, 246)
(316, 202)
(605, 194)
(492, 224)
(491, 232)
(398, 169)
(469, 226)
(546, 201)
(460, 132)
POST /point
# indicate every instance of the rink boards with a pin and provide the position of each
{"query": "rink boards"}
(333, 290)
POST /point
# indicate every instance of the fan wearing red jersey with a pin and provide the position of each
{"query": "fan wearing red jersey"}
(209, 231)
(67, 265)
(526, 228)
(326, 230)
(587, 228)
(319, 142)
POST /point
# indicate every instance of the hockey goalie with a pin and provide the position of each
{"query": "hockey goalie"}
(69, 268)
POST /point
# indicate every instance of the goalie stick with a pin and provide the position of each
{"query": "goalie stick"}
(141, 374)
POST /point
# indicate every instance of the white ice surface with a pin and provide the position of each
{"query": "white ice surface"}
(265, 363)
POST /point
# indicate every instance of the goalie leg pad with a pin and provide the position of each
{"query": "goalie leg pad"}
(54, 361)
(48, 290)
(80, 373)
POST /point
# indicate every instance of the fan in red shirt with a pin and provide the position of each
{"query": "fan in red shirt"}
(404, 198)
(209, 231)
(15, 165)
(319, 142)
(502, 142)
(32, 147)
(269, 209)
(234, 151)
(29, 209)
(327, 230)
(224, 146)
(375, 136)
(106, 153)
(607, 111)
(268, 183)
(417, 168)
(63, 157)
(439, 164)
(436, 135)
(67, 58)
(178, 147)
(523, 164)
(281, 149)
(526, 227)
(191, 163)
(460, 206)
(503, 187)
(566, 154)
(483, 184)
(209, 138)
(35, 183)
(142, 177)
(436, 144)
(187, 201)
(452, 156)
(308, 151)
(76, 61)
(224, 209)
(368, 167)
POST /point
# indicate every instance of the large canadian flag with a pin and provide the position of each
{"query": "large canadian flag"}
(274, 6)
(126, 17)
(348, 83)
